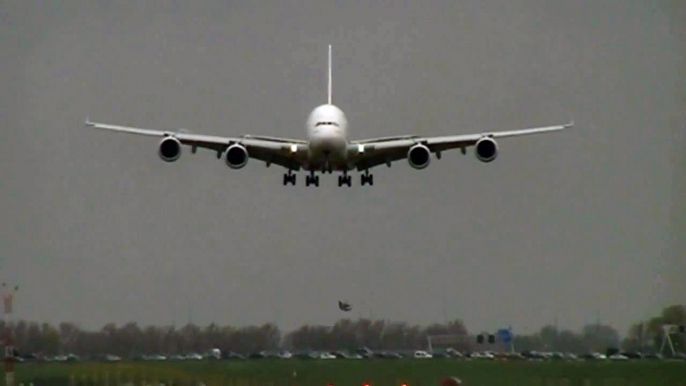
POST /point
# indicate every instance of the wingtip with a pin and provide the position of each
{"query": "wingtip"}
(570, 124)
(88, 122)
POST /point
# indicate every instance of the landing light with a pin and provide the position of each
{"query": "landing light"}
(294, 148)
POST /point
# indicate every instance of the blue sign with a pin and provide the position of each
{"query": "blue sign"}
(505, 335)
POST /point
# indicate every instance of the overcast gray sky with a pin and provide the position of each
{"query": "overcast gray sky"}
(96, 228)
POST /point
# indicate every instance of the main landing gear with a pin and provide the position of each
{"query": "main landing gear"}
(345, 179)
(312, 179)
(367, 178)
(289, 177)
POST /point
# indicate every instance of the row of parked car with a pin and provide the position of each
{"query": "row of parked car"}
(613, 356)
(364, 353)
(61, 358)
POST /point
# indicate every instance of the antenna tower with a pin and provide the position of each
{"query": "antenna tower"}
(667, 330)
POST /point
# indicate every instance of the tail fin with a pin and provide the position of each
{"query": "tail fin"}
(329, 73)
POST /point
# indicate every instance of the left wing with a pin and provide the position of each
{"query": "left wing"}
(289, 153)
(373, 152)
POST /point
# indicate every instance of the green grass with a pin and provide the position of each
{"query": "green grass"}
(355, 372)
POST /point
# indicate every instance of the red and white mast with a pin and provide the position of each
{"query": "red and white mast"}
(7, 298)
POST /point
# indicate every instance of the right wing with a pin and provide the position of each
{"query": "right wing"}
(373, 152)
(285, 152)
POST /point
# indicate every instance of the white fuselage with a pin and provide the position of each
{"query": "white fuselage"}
(327, 133)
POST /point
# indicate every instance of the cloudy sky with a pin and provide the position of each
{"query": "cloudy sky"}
(96, 228)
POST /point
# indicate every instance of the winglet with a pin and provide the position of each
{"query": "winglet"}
(88, 122)
(570, 124)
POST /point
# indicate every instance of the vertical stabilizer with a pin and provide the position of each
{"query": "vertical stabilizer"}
(329, 73)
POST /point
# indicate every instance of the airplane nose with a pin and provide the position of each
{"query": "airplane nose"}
(327, 139)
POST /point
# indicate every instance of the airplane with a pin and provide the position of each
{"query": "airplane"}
(344, 306)
(327, 147)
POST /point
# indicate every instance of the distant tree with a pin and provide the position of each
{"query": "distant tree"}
(635, 339)
(343, 335)
(600, 337)
(457, 327)
(50, 339)
(19, 333)
(68, 333)
(368, 333)
(167, 336)
(548, 336)
(189, 337)
(415, 337)
(34, 338)
(153, 339)
(211, 334)
(436, 329)
(531, 342)
(310, 338)
(395, 336)
(129, 339)
(269, 336)
(569, 341)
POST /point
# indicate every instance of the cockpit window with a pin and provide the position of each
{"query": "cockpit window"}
(326, 123)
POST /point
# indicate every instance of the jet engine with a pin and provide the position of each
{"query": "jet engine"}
(170, 149)
(486, 149)
(236, 156)
(419, 156)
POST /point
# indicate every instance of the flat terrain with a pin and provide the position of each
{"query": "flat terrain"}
(356, 373)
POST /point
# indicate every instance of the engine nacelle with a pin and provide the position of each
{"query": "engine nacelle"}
(236, 156)
(486, 149)
(419, 156)
(169, 149)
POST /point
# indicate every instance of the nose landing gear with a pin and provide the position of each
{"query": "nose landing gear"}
(327, 168)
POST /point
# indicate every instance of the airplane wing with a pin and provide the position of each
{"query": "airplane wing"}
(374, 152)
(289, 153)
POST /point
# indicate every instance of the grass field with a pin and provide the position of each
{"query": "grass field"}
(355, 373)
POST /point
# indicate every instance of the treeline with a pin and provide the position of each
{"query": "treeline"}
(130, 339)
